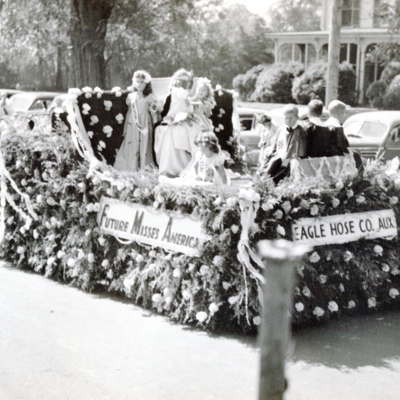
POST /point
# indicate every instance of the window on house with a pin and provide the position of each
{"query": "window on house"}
(351, 13)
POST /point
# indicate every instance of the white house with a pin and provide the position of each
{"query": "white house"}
(362, 29)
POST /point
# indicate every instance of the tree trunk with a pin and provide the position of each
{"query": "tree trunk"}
(88, 33)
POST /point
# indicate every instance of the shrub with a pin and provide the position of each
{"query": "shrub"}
(391, 100)
(245, 84)
(312, 84)
(274, 85)
(376, 92)
(395, 83)
(390, 71)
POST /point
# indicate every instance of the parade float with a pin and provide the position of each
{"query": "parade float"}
(188, 252)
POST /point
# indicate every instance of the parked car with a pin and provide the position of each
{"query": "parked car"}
(30, 103)
(374, 134)
(10, 92)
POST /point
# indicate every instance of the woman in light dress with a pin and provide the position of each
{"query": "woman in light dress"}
(136, 151)
(185, 118)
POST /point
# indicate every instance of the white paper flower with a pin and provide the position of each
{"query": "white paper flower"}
(393, 293)
(249, 195)
(204, 270)
(213, 308)
(85, 109)
(201, 316)
(278, 214)
(94, 120)
(318, 311)
(378, 250)
(120, 185)
(102, 241)
(50, 261)
(86, 89)
(102, 144)
(385, 268)
(218, 261)
(107, 105)
(333, 307)
(350, 193)
(217, 201)
(186, 294)
(234, 228)
(233, 299)
(360, 199)
(20, 249)
(339, 184)
(105, 263)
(341, 288)
(372, 302)
(322, 278)
(108, 130)
(351, 304)
(314, 210)
(176, 273)
(35, 234)
(226, 285)
(335, 202)
(347, 255)
(71, 262)
(393, 200)
(157, 298)
(120, 118)
(314, 257)
(128, 283)
(306, 291)
(281, 230)
(110, 274)
(299, 307)
(60, 254)
(257, 320)
(90, 257)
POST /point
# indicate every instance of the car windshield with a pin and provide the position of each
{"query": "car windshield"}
(375, 130)
(20, 104)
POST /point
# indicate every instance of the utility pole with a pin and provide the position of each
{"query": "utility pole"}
(332, 80)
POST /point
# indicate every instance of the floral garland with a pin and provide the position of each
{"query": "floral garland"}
(213, 290)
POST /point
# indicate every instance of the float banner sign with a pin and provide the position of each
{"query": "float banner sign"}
(146, 225)
(345, 228)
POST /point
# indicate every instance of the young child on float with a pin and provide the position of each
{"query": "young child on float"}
(268, 133)
(136, 150)
(291, 143)
(207, 164)
(203, 103)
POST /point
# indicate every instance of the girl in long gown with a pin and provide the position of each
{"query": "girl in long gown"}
(136, 150)
(175, 137)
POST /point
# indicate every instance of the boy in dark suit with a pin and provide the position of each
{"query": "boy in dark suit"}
(290, 143)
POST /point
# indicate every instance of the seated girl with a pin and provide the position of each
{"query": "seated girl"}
(174, 137)
(207, 164)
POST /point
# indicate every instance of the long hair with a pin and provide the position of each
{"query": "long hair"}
(181, 74)
(146, 78)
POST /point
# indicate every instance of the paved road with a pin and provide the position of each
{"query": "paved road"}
(58, 343)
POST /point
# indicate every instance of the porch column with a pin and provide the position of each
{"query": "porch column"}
(362, 72)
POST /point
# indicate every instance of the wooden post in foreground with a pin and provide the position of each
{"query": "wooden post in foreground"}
(274, 336)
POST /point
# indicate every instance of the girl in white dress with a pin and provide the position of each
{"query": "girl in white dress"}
(174, 138)
(207, 164)
(136, 150)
